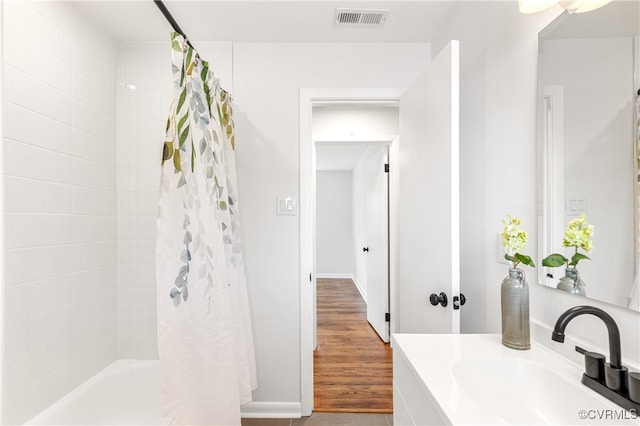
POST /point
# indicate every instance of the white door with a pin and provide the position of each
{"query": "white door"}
(377, 248)
(428, 204)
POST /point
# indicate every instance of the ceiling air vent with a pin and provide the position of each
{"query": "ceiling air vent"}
(361, 17)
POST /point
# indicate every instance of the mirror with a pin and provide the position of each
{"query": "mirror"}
(588, 78)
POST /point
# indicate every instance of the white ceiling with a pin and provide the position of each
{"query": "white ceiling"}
(617, 19)
(312, 20)
(266, 20)
(339, 156)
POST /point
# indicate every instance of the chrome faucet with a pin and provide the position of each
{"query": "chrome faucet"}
(608, 379)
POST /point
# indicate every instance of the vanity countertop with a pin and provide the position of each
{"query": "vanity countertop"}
(474, 379)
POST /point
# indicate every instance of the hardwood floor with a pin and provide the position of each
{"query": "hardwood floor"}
(352, 365)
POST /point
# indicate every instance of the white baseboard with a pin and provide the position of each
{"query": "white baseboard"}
(271, 410)
(362, 293)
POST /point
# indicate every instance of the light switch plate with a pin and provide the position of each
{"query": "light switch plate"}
(286, 205)
(575, 205)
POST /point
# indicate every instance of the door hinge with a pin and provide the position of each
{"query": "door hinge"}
(387, 317)
(386, 168)
(310, 279)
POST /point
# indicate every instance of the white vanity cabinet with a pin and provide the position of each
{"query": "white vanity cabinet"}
(472, 379)
(413, 404)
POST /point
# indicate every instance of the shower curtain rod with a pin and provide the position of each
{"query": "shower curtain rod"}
(172, 20)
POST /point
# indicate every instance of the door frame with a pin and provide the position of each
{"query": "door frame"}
(551, 194)
(310, 97)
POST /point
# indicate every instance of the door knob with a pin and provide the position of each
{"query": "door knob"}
(365, 249)
(441, 299)
(463, 299)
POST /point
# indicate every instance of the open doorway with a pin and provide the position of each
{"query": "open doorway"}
(352, 222)
(429, 139)
(352, 361)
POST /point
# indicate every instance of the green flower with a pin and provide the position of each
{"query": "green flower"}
(577, 235)
(514, 240)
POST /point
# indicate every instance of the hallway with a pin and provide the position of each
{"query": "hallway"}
(352, 366)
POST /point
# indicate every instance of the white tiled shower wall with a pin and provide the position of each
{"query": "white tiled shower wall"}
(60, 201)
(143, 98)
(84, 124)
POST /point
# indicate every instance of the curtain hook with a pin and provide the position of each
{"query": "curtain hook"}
(185, 44)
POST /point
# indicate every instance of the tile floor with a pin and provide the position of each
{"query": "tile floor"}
(328, 419)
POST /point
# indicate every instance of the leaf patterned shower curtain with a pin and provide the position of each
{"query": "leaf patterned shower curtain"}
(205, 342)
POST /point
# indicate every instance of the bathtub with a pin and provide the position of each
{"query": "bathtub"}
(127, 392)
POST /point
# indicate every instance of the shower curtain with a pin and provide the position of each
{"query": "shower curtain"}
(205, 342)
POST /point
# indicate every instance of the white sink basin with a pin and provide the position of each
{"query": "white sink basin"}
(518, 391)
(474, 379)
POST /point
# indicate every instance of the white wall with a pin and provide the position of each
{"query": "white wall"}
(351, 121)
(597, 80)
(143, 97)
(498, 170)
(334, 229)
(1, 229)
(268, 78)
(498, 48)
(60, 204)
